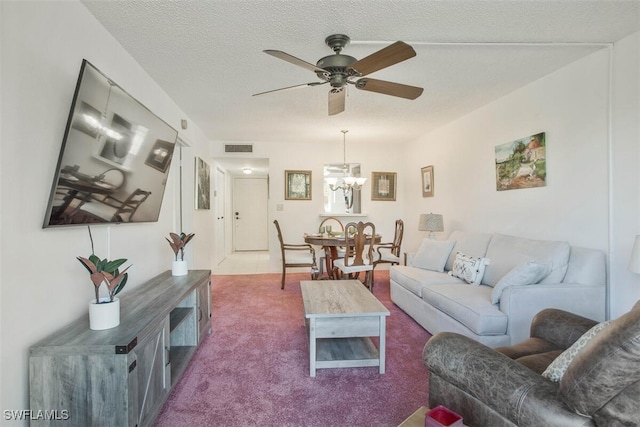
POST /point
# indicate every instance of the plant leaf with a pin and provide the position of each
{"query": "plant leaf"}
(122, 283)
(112, 266)
(97, 279)
(90, 266)
(114, 281)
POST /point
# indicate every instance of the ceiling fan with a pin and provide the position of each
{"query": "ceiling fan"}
(340, 70)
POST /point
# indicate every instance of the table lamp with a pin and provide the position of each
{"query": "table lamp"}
(432, 222)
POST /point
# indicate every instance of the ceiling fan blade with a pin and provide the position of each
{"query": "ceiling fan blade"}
(293, 60)
(336, 101)
(389, 88)
(390, 55)
(291, 87)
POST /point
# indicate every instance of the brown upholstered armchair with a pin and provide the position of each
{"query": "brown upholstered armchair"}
(504, 386)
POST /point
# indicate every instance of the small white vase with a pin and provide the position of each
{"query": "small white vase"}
(179, 268)
(105, 315)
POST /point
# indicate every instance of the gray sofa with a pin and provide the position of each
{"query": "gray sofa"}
(575, 281)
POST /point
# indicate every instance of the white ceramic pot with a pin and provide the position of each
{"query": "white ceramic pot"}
(105, 315)
(179, 268)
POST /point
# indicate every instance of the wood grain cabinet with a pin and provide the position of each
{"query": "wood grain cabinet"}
(122, 376)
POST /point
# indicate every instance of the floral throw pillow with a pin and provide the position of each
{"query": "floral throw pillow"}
(468, 268)
(555, 371)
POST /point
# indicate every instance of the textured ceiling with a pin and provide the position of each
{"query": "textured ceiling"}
(207, 55)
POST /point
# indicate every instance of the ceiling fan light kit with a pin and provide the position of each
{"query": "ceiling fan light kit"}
(340, 70)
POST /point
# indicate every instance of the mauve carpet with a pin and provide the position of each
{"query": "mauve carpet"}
(253, 370)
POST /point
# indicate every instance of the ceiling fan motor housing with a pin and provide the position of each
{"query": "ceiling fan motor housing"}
(336, 66)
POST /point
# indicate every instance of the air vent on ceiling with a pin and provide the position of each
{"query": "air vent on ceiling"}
(238, 148)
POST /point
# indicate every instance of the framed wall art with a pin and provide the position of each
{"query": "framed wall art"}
(297, 185)
(521, 163)
(203, 184)
(159, 157)
(427, 181)
(383, 186)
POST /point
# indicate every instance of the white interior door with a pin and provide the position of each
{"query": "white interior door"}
(250, 216)
(218, 200)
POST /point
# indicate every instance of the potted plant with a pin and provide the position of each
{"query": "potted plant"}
(104, 312)
(177, 243)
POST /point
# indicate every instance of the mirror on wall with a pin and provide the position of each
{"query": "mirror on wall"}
(339, 196)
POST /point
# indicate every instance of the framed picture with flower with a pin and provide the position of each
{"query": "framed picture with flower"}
(427, 181)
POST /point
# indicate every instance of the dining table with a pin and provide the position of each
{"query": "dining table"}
(81, 187)
(330, 242)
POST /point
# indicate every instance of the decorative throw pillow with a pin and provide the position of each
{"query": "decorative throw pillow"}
(555, 371)
(468, 268)
(526, 273)
(432, 254)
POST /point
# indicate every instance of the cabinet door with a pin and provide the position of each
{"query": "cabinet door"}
(154, 379)
(204, 310)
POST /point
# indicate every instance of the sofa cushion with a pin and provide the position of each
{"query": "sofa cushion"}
(432, 254)
(555, 371)
(468, 268)
(474, 244)
(506, 252)
(525, 273)
(414, 279)
(470, 305)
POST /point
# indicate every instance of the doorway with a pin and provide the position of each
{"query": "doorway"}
(250, 214)
(219, 206)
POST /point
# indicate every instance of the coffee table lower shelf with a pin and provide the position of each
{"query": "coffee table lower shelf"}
(346, 353)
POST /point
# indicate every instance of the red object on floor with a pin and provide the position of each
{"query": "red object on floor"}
(441, 416)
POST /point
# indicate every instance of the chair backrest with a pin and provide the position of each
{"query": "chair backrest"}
(114, 177)
(332, 221)
(275, 221)
(358, 249)
(131, 204)
(397, 238)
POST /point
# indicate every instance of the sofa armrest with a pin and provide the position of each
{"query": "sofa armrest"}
(510, 389)
(560, 327)
(522, 303)
(408, 257)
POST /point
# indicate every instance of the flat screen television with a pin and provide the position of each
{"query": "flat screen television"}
(115, 157)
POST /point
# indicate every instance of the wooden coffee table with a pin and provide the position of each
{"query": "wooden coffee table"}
(341, 316)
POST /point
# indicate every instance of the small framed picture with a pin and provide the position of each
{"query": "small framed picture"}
(383, 186)
(203, 184)
(427, 181)
(297, 185)
(159, 156)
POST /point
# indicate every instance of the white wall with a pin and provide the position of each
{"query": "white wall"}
(42, 285)
(578, 204)
(303, 216)
(625, 165)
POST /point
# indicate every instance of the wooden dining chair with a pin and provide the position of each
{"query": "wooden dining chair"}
(358, 253)
(110, 208)
(390, 252)
(336, 225)
(296, 255)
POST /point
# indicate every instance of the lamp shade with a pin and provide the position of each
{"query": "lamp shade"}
(431, 222)
(634, 262)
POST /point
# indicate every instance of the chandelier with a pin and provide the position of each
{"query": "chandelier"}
(349, 182)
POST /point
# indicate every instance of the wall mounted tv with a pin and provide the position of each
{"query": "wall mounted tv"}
(115, 157)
